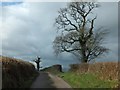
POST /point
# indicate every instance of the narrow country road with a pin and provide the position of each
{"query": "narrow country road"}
(47, 80)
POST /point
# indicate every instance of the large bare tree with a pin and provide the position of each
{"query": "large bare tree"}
(78, 35)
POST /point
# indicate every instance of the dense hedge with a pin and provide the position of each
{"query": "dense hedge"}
(15, 72)
(105, 70)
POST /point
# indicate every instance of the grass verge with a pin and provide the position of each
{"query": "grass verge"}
(86, 80)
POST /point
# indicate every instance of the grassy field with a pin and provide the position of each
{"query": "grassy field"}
(17, 73)
(86, 80)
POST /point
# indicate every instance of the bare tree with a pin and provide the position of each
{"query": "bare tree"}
(37, 61)
(78, 35)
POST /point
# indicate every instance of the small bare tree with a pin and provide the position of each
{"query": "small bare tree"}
(78, 35)
(37, 61)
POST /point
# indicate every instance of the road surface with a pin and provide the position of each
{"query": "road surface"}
(47, 80)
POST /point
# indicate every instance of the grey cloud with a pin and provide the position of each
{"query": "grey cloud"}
(31, 33)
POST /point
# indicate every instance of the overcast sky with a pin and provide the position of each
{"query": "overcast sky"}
(28, 31)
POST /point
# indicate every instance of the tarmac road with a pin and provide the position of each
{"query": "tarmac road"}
(47, 80)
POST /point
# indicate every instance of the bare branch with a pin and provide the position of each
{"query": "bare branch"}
(78, 35)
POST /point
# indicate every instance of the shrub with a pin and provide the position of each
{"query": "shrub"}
(15, 72)
(105, 70)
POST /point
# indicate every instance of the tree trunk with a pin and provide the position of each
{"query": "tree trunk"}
(84, 57)
(38, 66)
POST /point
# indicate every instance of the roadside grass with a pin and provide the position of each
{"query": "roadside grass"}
(86, 80)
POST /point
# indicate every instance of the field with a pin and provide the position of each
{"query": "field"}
(98, 75)
(17, 73)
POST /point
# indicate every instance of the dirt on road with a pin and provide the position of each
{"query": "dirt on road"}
(47, 80)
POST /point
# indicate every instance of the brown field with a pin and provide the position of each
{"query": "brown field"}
(16, 72)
